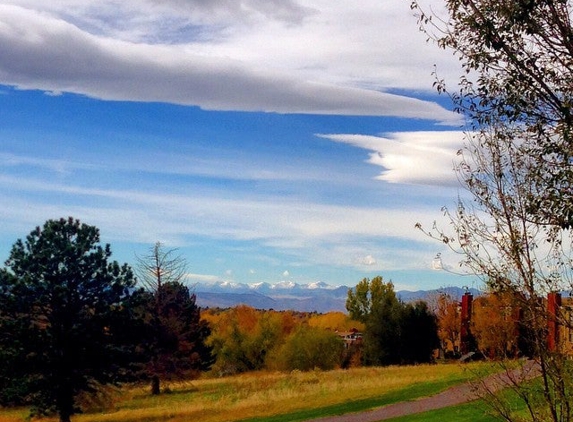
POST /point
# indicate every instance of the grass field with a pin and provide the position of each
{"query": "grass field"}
(275, 397)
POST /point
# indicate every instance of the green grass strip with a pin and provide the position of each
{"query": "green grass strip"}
(476, 411)
(409, 393)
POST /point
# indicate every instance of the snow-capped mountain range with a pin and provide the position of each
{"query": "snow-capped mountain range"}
(287, 295)
(284, 295)
(280, 287)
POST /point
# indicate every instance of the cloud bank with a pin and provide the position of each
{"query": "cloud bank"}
(40, 51)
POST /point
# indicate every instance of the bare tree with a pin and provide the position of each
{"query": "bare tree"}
(176, 333)
(160, 266)
(516, 92)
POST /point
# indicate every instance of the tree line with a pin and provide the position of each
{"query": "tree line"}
(497, 329)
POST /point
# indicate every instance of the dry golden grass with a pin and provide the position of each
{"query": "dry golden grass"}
(260, 394)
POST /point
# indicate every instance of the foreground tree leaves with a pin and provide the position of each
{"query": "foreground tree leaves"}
(516, 94)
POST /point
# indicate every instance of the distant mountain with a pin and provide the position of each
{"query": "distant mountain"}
(287, 295)
(313, 297)
(426, 295)
(228, 300)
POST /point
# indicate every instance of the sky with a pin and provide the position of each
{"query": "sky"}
(267, 140)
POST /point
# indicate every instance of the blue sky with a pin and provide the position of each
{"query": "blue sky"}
(267, 140)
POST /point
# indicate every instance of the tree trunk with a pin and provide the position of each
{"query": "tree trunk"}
(64, 417)
(65, 399)
(155, 385)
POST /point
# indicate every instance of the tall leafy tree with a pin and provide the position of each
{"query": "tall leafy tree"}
(374, 303)
(495, 325)
(370, 296)
(64, 316)
(418, 333)
(395, 333)
(516, 94)
(176, 334)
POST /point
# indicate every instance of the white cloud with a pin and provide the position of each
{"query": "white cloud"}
(142, 17)
(437, 263)
(202, 278)
(323, 40)
(39, 51)
(367, 260)
(425, 158)
(286, 273)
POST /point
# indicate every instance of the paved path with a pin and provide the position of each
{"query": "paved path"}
(452, 396)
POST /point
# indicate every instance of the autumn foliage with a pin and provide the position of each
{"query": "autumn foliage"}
(449, 324)
(245, 339)
(496, 325)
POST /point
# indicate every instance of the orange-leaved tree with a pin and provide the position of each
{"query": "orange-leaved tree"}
(243, 337)
(449, 323)
(496, 325)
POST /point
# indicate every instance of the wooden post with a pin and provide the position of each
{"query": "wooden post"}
(466, 316)
(553, 305)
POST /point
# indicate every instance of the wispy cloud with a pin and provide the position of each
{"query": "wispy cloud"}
(201, 278)
(55, 165)
(267, 216)
(302, 228)
(229, 164)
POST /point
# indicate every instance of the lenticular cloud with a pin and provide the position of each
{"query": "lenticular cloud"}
(425, 158)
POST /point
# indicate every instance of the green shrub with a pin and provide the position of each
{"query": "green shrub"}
(309, 348)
